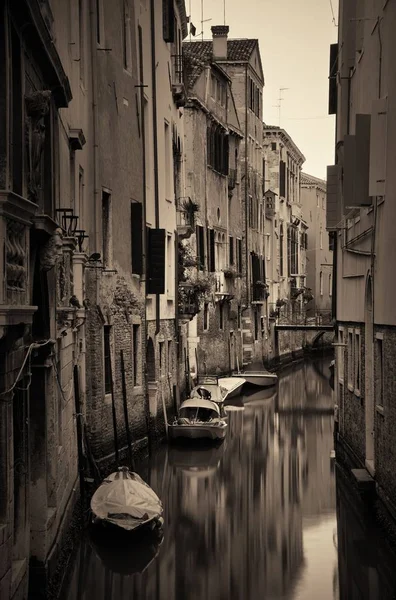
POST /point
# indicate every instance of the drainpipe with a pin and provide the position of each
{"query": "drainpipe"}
(95, 125)
(155, 139)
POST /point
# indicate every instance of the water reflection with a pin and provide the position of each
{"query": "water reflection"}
(252, 518)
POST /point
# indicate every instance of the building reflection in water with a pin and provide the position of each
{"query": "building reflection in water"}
(252, 518)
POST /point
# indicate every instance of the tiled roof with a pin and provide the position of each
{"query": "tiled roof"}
(311, 180)
(199, 54)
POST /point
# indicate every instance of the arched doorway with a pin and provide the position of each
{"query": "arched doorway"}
(369, 375)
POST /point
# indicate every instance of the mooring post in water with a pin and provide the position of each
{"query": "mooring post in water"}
(165, 414)
(125, 403)
(113, 410)
(77, 405)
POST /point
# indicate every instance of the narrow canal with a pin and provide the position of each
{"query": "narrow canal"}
(254, 518)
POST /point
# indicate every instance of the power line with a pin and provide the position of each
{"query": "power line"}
(332, 12)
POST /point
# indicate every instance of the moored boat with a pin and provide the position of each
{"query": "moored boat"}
(232, 386)
(198, 419)
(124, 500)
(260, 378)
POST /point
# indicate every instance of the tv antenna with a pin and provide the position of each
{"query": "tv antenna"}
(279, 106)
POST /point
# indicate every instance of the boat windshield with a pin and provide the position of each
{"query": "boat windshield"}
(198, 414)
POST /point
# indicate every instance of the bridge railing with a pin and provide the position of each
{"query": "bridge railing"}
(293, 313)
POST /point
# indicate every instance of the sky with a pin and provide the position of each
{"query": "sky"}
(294, 38)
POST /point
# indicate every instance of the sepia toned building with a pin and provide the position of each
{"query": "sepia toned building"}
(360, 217)
(237, 225)
(319, 254)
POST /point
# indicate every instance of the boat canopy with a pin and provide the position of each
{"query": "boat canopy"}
(200, 403)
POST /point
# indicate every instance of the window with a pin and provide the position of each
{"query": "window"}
(321, 239)
(170, 280)
(282, 179)
(273, 145)
(168, 21)
(357, 355)
(206, 317)
(106, 229)
(268, 246)
(330, 284)
(239, 255)
(168, 164)
(221, 316)
(350, 360)
(231, 250)
(136, 351)
(341, 353)
(281, 250)
(200, 247)
(379, 370)
(321, 283)
(107, 359)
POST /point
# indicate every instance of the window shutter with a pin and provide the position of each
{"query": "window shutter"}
(168, 21)
(212, 260)
(201, 248)
(231, 241)
(362, 160)
(156, 261)
(137, 238)
(378, 140)
(282, 178)
(333, 197)
(333, 69)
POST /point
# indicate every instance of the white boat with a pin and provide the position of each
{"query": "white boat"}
(232, 386)
(123, 499)
(261, 378)
(198, 419)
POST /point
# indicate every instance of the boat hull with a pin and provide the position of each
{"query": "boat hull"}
(259, 379)
(233, 389)
(197, 432)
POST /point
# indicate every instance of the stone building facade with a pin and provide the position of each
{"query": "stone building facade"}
(319, 254)
(360, 218)
(286, 237)
(239, 62)
(213, 134)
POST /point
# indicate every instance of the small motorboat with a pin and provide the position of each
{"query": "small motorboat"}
(198, 419)
(124, 500)
(260, 378)
(209, 389)
(232, 386)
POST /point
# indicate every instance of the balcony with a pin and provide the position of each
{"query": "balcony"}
(178, 86)
(224, 285)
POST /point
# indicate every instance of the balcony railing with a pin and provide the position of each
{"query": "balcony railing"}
(178, 86)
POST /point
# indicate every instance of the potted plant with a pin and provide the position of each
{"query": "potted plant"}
(229, 273)
(190, 208)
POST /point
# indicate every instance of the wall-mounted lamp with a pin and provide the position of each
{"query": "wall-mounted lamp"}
(81, 236)
(69, 221)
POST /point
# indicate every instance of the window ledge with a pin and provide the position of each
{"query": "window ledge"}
(380, 409)
(357, 393)
(138, 389)
(107, 398)
(350, 387)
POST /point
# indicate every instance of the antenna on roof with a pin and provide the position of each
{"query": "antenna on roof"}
(280, 103)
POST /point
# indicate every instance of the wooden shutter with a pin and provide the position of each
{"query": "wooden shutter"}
(282, 179)
(156, 261)
(333, 69)
(231, 242)
(212, 259)
(333, 197)
(201, 248)
(137, 238)
(168, 21)
(378, 141)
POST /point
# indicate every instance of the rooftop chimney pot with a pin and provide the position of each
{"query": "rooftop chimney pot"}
(220, 34)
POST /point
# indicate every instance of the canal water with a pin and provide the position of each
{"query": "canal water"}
(253, 518)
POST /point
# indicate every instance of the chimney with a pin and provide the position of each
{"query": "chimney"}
(220, 33)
